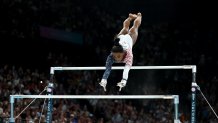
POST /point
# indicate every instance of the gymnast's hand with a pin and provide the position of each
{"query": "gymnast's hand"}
(121, 84)
(103, 83)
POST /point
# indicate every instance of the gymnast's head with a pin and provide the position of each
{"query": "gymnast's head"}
(117, 51)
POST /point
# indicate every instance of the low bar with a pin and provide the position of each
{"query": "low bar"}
(97, 96)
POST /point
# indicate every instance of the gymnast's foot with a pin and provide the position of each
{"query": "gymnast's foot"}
(139, 14)
(132, 16)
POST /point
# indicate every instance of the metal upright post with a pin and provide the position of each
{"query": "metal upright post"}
(176, 106)
(50, 89)
(12, 120)
(193, 99)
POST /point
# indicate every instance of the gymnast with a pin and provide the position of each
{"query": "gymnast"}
(121, 51)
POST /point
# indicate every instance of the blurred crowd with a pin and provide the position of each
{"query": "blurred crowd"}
(162, 43)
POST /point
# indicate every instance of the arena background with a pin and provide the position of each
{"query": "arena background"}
(35, 35)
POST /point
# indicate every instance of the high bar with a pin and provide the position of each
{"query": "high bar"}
(193, 67)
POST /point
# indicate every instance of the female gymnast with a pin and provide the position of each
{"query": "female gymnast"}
(121, 51)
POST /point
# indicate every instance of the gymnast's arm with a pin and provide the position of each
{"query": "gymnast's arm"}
(108, 65)
(128, 66)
